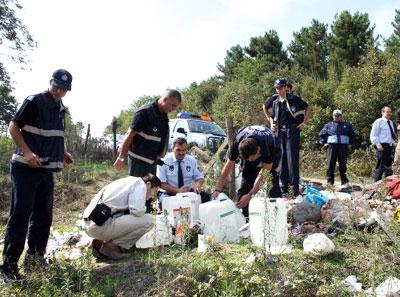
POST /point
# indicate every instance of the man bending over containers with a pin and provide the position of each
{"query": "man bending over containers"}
(125, 202)
(255, 146)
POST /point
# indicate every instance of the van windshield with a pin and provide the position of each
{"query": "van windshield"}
(205, 127)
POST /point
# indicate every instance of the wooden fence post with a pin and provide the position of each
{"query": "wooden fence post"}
(231, 135)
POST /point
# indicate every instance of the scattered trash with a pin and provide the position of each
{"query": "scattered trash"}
(396, 217)
(204, 242)
(309, 227)
(251, 258)
(306, 212)
(313, 196)
(336, 195)
(244, 231)
(352, 284)
(271, 261)
(390, 287)
(318, 244)
(298, 199)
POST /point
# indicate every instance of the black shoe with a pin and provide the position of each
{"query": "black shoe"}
(10, 273)
(32, 262)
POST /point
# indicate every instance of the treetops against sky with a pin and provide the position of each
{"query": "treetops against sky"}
(122, 51)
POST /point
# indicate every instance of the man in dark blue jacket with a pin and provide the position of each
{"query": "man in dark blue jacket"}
(38, 132)
(258, 152)
(146, 140)
(338, 136)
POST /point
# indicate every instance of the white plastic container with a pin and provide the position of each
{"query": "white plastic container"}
(268, 224)
(182, 207)
(160, 234)
(221, 219)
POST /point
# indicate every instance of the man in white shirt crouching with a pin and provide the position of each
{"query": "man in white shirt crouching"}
(126, 198)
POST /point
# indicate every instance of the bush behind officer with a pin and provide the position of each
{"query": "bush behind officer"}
(38, 132)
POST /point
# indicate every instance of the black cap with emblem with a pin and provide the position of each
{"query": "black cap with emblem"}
(62, 79)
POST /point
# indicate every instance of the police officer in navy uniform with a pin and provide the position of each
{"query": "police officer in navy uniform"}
(289, 115)
(38, 132)
(147, 138)
(257, 150)
(338, 136)
(270, 100)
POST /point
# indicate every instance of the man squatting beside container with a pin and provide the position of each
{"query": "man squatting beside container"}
(128, 221)
(38, 132)
(255, 146)
(338, 136)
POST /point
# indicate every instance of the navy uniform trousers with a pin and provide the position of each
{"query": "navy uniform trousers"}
(340, 153)
(30, 212)
(289, 141)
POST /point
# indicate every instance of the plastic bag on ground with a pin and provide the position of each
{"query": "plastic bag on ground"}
(314, 196)
(390, 287)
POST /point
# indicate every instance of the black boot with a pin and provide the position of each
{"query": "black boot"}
(10, 272)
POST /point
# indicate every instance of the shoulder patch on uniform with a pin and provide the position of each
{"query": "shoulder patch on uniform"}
(30, 98)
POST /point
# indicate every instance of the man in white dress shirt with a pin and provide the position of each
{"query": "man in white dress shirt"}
(383, 137)
(127, 199)
(180, 173)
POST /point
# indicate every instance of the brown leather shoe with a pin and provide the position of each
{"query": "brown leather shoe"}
(110, 251)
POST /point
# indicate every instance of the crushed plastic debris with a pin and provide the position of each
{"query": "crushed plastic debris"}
(390, 287)
(352, 284)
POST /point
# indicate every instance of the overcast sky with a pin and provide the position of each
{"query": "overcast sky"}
(122, 49)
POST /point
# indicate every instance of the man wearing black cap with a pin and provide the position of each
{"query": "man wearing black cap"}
(38, 132)
(338, 136)
(288, 116)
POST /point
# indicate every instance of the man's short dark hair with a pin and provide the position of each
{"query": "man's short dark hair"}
(180, 141)
(154, 180)
(248, 147)
(173, 94)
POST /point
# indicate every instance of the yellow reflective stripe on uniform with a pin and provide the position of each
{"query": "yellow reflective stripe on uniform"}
(144, 159)
(43, 132)
(149, 137)
(51, 165)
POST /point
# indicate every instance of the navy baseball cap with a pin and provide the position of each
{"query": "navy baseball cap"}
(62, 79)
(280, 82)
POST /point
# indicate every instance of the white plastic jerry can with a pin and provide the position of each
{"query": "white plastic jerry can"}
(160, 234)
(182, 208)
(221, 220)
(268, 223)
